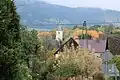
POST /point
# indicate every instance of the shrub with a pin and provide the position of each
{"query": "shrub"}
(116, 33)
(99, 76)
(74, 63)
(111, 78)
(67, 70)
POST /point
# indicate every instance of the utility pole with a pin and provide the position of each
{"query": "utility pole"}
(106, 64)
(85, 26)
(115, 71)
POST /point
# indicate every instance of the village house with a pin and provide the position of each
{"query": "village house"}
(96, 46)
(100, 48)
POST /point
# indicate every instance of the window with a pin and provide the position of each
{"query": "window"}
(58, 32)
(101, 55)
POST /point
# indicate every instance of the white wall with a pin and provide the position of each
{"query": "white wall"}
(59, 34)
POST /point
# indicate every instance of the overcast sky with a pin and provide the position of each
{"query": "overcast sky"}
(105, 4)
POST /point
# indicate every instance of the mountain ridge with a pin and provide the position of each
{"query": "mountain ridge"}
(40, 12)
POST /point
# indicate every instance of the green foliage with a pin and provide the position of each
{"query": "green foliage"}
(116, 33)
(9, 22)
(34, 54)
(10, 45)
(21, 72)
(13, 62)
(83, 28)
(79, 27)
(108, 29)
(22, 55)
(29, 53)
(95, 27)
(85, 36)
(117, 61)
(114, 44)
(20, 49)
(117, 27)
(99, 76)
(46, 69)
(111, 78)
(67, 70)
(75, 27)
(74, 63)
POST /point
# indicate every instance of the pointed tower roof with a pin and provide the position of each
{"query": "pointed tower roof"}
(107, 48)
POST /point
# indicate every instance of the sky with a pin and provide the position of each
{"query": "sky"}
(104, 4)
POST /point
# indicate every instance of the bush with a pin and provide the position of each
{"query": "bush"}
(116, 33)
(74, 63)
(111, 78)
(67, 70)
(99, 76)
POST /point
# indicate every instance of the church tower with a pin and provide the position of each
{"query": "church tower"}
(59, 33)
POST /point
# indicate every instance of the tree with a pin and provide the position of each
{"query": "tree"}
(12, 64)
(108, 29)
(95, 27)
(75, 27)
(22, 54)
(9, 23)
(114, 44)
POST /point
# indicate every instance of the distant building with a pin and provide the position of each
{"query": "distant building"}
(97, 46)
(70, 43)
(100, 48)
(59, 33)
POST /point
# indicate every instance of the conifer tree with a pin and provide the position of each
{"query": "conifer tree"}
(9, 22)
(12, 65)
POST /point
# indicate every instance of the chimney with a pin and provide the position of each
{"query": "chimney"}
(76, 38)
(93, 50)
(97, 40)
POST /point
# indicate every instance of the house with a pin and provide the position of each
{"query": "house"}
(100, 47)
(70, 43)
(50, 42)
(97, 46)
(107, 68)
(57, 43)
(60, 38)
